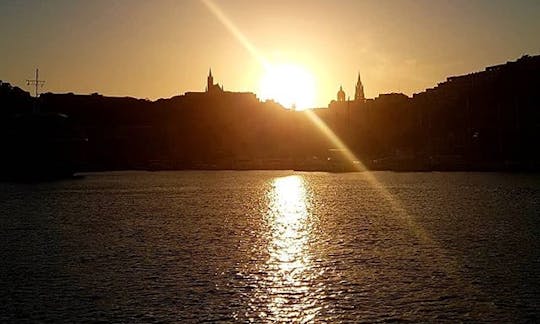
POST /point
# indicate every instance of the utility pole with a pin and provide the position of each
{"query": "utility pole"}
(37, 83)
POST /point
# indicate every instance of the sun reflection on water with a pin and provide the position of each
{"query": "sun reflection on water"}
(289, 274)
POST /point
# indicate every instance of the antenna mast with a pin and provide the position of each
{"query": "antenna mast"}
(36, 82)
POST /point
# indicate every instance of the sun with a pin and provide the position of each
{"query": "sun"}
(290, 85)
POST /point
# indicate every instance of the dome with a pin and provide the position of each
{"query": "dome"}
(341, 94)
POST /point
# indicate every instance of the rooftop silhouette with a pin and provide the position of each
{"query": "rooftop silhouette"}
(485, 120)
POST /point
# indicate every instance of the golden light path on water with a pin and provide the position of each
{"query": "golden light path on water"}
(289, 266)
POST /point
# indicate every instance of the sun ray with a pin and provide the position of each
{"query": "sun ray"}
(348, 154)
(242, 39)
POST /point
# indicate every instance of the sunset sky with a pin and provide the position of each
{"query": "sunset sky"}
(162, 48)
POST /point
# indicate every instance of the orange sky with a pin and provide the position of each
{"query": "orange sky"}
(153, 49)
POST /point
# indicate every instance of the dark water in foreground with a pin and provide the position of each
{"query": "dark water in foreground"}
(272, 246)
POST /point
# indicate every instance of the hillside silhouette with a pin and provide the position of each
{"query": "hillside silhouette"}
(488, 120)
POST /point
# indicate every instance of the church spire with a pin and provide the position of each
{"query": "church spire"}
(209, 81)
(359, 92)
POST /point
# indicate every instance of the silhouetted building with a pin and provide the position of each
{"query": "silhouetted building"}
(359, 93)
(215, 92)
(210, 86)
(341, 94)
(487, 120)
(342, 103)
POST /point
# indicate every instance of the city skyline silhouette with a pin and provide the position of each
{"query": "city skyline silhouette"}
(483, 120)
(159, 50)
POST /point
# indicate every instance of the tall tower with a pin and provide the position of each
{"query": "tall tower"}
(359, 93)
(209, 81)
(341, 94)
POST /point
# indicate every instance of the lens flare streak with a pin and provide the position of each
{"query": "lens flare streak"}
(242, 39)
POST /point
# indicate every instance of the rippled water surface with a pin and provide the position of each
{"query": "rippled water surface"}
(272, 246)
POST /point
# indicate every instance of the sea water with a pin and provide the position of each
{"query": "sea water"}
(270, 246)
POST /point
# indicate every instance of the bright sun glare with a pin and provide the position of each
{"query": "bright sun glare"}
(289, 84)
